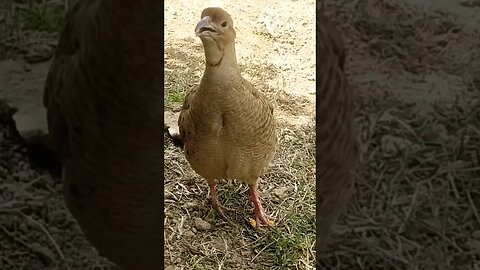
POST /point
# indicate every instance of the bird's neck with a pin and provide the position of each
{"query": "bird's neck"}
(224, 64)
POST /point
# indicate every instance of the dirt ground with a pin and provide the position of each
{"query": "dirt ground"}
(415, 69)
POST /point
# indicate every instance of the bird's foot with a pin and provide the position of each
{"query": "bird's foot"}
(262, 220)
(215, 204)
(221, 210)
(221, 213)
(226, 208)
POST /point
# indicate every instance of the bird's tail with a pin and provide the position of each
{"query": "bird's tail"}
(40, 149)
(174, 135)
(42, 154)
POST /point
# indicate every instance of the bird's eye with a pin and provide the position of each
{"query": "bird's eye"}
(224, 24)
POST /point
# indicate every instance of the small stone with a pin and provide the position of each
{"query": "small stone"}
(436, 133)
(280, 192)
(190, 205)
(202, 225)
(474, 245)
(459, 164)
(476, 235)
(245, 252)
(23, 176)
(386, 117)
(219, 244)
(441, 131)
(188, 234)
(393, 144)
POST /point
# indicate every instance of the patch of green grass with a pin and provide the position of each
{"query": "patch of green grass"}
(198, 264)
(290, 248)
(297, 243)
(291, 245)
(35, 16)
(183, 64)
(176, 86)
(298, 247)
(28, 23)
(176, 96)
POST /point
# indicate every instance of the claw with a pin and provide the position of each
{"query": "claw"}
(222, 214)
(262, 220)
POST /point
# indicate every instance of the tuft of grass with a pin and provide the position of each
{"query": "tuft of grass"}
(175, 89)
(290, 248)
(35, 16)
(203, 267)
(182, 71)
(25, 24)
(291, 245)
(174, 98)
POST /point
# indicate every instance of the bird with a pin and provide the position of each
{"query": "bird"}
(104, 105)
(337, 143)
(227, 126)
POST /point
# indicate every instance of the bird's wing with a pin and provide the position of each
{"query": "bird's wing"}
(185, 119)
(260, 101)
(260, 120)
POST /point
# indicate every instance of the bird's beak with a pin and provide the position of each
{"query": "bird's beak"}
(203, 26)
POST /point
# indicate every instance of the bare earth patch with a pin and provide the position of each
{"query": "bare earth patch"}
(415, 71)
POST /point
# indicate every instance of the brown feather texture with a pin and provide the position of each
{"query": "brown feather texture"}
(337, 143)
(227, 126)
(103, 97)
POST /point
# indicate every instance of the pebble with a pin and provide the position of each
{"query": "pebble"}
(202, 225)
(476, 234)
(23, 175)
(392, 144)
(219, 244)
(190, 205)
(281, 192)
(188, 234)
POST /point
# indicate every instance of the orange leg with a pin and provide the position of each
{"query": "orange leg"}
(214, 200)
(260, 217)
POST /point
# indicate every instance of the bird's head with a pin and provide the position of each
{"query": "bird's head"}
(215, 29)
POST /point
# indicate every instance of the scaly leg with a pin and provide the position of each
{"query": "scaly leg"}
(214, 200)
(260, 217)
